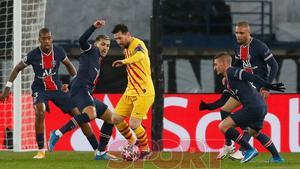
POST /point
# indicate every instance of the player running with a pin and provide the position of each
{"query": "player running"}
(82, 88)
(45, 61)
(254, 57)
(139, 94)
(254, 107)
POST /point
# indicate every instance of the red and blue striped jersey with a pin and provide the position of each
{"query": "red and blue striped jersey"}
(45, 67)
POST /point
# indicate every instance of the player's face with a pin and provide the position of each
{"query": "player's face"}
(46, 41)
(103, 46)
(123, 39)
(219, 66)
(242, 34)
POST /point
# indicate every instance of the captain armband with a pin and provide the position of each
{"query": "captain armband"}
(8, 84)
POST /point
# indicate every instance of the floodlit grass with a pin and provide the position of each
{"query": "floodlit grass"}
(82, 160)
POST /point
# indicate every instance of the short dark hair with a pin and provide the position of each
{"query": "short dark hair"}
(44, 30)
(120, 28)
(105, 37)
(223, 56)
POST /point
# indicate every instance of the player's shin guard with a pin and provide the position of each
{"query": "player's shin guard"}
(75, 122)
(233, 134)
(268, 144)
(246, 136)
(106, 131)
(124, 129)
(93, 141)
(142, 138)
(40, 140)
(225, 114)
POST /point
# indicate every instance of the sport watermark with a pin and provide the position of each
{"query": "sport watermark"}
(172, 159)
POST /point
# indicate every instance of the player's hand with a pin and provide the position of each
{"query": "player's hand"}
(203, 105)
(65, 88)
(99, 23)
(277, 87)
(4, 94)
(117, 63)
(264, 93)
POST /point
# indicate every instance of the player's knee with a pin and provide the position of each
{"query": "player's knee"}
(222, 127)
(39, 114)
(116, 119)
(134, 123)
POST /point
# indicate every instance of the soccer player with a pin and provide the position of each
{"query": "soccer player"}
(82, 88)
(45, 61)
(139, 94)
(254, 107)
(254, 57)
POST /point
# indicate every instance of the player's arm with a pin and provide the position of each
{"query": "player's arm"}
(83, 40)
(70, 67)
(138, 55)
(273, 68)
(13, 75)
(237, 62)
(216, 104)
(240, 74)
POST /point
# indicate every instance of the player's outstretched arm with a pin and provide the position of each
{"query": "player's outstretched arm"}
(83, 40)
(216, 104)
(13, 75)
(243, 75)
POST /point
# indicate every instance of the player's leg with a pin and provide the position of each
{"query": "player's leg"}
(225, 111)
(86, 129)
(40, 109)
(106, 131)
(84, 102)
(64, 102)
(123, 110)
(268, 144)
(227, 126)
(141, 106)
(255, 131)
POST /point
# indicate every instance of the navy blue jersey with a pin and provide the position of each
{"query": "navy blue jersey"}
(45, 67)
(89, 63)
(254, 59)
(244, 91)
(89, 69)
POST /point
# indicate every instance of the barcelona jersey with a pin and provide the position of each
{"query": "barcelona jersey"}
(138, 69)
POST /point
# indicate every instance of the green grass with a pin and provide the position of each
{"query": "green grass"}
(81, 160)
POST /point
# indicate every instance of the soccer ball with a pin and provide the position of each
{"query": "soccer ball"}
(130, 152)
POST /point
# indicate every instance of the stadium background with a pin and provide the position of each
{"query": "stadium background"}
(191, 32)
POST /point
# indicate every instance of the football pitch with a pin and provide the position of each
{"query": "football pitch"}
(82, 160)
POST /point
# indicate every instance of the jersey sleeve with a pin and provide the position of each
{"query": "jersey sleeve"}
(139, 54)
(240, 74)
(27, 59)
(62, 54)
(264, 51)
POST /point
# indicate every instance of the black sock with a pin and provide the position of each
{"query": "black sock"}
(246, 137)
(75, 122)
(225, 114)
(106, 131)
(234, 135)
(40, 140)
(268, 144)
(93, 141)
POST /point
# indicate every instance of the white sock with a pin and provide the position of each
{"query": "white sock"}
(58, 133)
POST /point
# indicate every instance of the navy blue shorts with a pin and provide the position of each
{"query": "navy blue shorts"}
(82, 98)
(58, 97)
(100, 107)
(250, 117)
